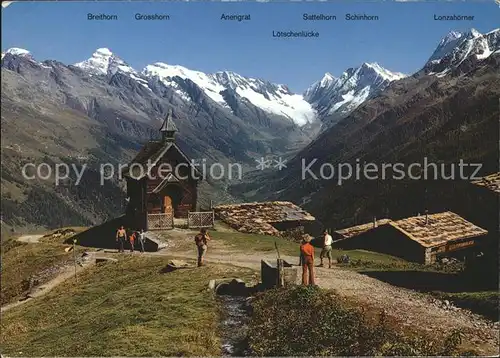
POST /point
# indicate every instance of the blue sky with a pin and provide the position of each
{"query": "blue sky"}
(195, 37)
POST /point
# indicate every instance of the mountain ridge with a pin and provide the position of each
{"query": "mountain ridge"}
(56, 112)
(272, 98)
(458, 47)
(340, 96)
(444, 118)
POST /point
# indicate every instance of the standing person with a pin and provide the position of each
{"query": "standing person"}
(142, 239)
(121, 236)
(307, 261)
(201, 240)
(327, 249)
(132, 240)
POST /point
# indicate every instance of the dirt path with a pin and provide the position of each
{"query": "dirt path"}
(408, 308)
(412, 309)
(30, 239)
(65, 273)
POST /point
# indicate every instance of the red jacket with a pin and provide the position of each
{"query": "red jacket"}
(307, 250)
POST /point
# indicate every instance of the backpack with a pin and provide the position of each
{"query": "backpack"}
(198, 239)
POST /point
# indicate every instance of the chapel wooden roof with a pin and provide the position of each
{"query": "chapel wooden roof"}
(154, 150)
(147, 152)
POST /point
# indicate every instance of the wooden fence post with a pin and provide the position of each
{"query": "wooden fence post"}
(280, 274)
(74, 257)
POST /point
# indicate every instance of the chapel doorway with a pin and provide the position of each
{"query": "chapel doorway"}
(173, 195)
(167, 204)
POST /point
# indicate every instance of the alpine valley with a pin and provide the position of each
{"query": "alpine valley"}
(101, 110)
(444, 114)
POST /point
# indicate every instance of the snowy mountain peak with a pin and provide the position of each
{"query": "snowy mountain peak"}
(230, 79)
(383, 72)
(165, 70)
(327, 79)
(457, 47)
(369, 65)
(104, 62)
(98, 63)
(452, 36)
(271, 98)
(493, 32)
(448, 43)
(342, 95)
(104, 51)
(474, 33)
(167, 74)
(16, 51)
(234, 80)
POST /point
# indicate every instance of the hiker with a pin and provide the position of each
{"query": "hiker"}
(121, 235)
(142, 239)
(307, 261)
(201, 240)
(132, 239)
(327, 249)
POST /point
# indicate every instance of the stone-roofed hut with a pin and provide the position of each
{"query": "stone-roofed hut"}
(482, 200)
(484, 205)
(171, 185)
(490, 182)
(357, 230)
(421, 238)
(266, 218)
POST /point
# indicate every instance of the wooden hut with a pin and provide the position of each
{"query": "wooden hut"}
(265, 218)
(422, 238)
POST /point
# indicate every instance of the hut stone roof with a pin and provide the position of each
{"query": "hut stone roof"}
(359, 229)
(437, 229)
(491, 182)
(258, 217)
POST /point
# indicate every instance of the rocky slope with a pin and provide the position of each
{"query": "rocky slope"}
(101, 110)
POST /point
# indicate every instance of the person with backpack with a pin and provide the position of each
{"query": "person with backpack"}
(201, 240)
(307, 261)
(121, 236)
